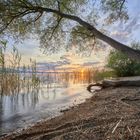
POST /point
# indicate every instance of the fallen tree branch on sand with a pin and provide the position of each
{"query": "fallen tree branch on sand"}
(117, 82)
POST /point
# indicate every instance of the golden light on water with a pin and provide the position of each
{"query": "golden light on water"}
(82, 70)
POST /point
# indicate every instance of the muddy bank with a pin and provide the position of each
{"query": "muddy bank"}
(112, 113)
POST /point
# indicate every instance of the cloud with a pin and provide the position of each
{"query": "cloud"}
(65, 63)
(29, 47)
(131, 26)
(89, 63)
(66, 58)
(125, 32)
(52, 65)
(62, 65)
(120, 35)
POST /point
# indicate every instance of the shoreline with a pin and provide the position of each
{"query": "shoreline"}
(41, 121)
(60, 113)
(46, 109)
(103, 116)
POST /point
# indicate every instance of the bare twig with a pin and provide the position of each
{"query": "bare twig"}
(116, 125)
(121, 7)
(123, 1)
(129, 130)
(40, 14)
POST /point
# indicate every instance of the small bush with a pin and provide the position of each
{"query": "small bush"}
(122, 64)
(102, 74)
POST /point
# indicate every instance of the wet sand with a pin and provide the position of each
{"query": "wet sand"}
(112, 113)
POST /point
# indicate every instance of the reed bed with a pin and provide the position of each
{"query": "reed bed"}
(13, 76)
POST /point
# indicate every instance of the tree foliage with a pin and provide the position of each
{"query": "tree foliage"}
(116, 9)
(122, 64)
(60, 23)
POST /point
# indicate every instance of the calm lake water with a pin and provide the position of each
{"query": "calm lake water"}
(56, 92)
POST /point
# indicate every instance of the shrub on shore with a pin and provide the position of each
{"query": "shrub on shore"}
(122, 64)
(102, 74)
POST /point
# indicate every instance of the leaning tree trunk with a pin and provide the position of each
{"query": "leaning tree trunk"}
(134, 54)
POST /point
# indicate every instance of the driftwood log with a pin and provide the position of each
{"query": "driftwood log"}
(117, 82)
(92, 85)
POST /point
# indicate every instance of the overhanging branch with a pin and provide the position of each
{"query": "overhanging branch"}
(115, 44)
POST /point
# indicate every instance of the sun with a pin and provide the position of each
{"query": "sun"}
(82, 70)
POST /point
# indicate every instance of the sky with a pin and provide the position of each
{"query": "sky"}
(128, 32)
(123, 32)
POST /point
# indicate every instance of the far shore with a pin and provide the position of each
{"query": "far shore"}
(112, 113)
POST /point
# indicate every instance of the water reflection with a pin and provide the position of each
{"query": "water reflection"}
(31, 103)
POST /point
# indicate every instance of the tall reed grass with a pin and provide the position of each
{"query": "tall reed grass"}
(13, 76)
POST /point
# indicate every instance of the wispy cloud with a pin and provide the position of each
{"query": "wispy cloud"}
(126, 32)
(66, 62)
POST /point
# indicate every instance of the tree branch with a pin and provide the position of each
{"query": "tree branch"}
(123, 1)
(40, 14)
(57, 25)
(121, 7)
(21, 14)
(6, 26)
(135, 54)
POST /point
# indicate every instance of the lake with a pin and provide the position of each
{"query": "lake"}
(56, 92)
